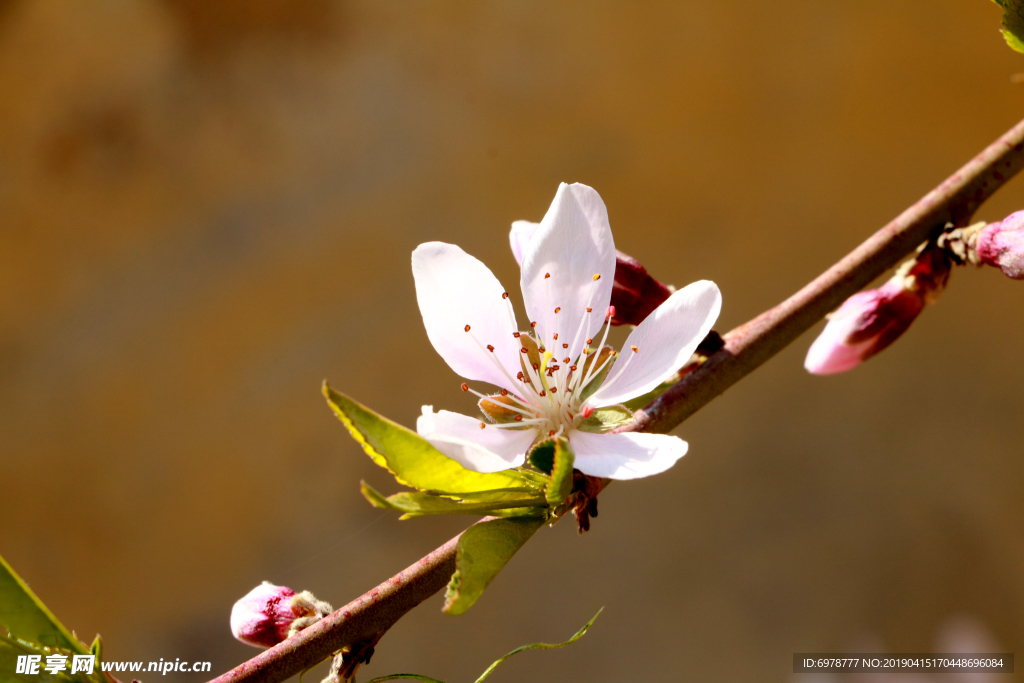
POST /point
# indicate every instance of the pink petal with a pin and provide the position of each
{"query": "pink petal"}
(455, 290)
(625, 456)
(572, 245)
(664, 341)
(461, 438)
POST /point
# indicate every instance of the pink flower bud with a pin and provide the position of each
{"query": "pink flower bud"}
(264, 616)
(869, 321)
(1002, 245)
(635, 294)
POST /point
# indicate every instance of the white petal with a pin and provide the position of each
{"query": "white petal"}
(454, 290)
(625, 456)
(521, 234)
(665, 340)
(572, 245)
(482, 450)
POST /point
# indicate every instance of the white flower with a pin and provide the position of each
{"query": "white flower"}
(568, 265)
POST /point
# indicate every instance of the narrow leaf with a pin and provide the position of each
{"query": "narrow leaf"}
(561, 473)
(483, 550)
(541, 646)
(408, 456)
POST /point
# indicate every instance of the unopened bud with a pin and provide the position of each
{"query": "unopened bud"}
(269, 614)
(1002, 245)
(635, 294)
(869, 321)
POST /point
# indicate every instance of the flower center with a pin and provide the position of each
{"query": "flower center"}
(550, 386)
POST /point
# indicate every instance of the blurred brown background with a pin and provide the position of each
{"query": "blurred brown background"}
(208, 207)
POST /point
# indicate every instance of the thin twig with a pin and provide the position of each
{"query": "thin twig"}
(746, 348)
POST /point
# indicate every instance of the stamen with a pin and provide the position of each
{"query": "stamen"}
(542, 349)
(590, 341)
(490, 348)
(555, 337)
(533, 324)
(525, 350)
(566, 359)
(465, 387)
(590, 310)
(504, 295)
(597, 276)
(557, 309)
(547, 275)
(516, 335)
(519, 418)
(466, 328)
(483, 426)
(635, 350)
(504, 392)
(565, 346)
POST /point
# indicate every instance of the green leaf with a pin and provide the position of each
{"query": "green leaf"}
(418, 504)
(31, 628)
(561, 473)
(408, 456)
(1013, 23)
(604, 420)
(540, 646)
(483, 550)
(532, 646)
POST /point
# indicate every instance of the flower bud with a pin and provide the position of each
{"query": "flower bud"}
(1002, 245)
(269, 614)
(635, 294)
(869, 321)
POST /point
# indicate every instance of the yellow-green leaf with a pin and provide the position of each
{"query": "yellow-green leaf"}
(561, 473)
(27, 627)
(408, 456)
(418, 504)
(1013, 23)
(483, 550)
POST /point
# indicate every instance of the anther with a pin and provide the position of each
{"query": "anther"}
(482, 425)
(556, 334)
(589, 342)
(586, 412)
(536, 367)
(490, 348)
(519, 376)
(466, 328)
(465, 387)
(558, 309)
(504, 295)
(542, 349)
(542, 393)
(567, 359)
(551, 433)
(635, 350)
(533, 324)
(590, 310)
(547, 275)
(519, 418)
(516, 335)
(597, 276)
(565, 346)
(504, 392)
(525, 350)
(610, 313)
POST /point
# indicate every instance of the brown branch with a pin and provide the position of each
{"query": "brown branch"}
(754, 342)
(746, 348)
(368, 615)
